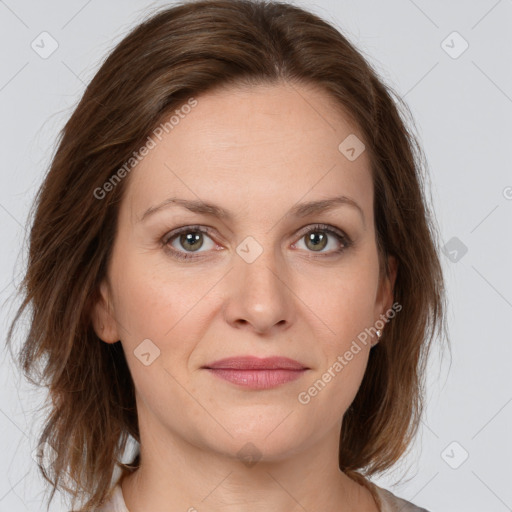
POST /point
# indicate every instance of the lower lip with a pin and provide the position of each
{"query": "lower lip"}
(258, 379)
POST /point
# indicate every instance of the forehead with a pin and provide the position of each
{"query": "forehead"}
(253, 147)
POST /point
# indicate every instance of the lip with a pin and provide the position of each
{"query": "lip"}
(257, 373)
(256, 363)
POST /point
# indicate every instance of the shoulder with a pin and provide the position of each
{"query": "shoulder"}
(391, 503)
(386, 500)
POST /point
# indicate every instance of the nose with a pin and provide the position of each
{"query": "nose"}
(259, 295)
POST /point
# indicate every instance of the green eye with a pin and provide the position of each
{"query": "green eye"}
(187, 240)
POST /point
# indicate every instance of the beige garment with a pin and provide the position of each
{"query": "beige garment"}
(385, 499)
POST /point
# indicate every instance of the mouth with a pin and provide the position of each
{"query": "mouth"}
(256, 373)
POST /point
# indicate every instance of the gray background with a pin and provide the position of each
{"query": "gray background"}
(462, 105)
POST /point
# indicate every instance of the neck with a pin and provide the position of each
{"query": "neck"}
(176, 475)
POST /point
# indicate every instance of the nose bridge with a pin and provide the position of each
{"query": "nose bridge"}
(259, 263)
(259, 294)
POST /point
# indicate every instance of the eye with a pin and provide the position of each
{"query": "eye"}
(183, 242)
(188, 238)
(317, 238)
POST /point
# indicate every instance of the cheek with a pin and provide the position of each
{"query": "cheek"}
(345, 310)
(345, 305)
(170, 307)
(345, 349)
(331, 390)
(154, 306)
(149, 305)
(151, 296)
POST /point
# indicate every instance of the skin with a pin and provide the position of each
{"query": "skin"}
(255, 152)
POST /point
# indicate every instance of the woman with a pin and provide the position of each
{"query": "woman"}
(233, 264)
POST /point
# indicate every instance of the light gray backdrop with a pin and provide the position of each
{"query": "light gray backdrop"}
(452, 63)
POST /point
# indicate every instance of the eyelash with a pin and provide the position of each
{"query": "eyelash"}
(339, 235)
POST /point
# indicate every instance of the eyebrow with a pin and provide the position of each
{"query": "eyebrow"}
(299, 210)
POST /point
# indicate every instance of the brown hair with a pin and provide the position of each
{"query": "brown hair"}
(179, 52)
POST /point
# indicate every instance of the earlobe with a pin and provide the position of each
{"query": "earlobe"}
(102, 316)
(385, 296)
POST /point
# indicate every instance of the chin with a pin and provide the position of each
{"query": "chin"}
(260, 443)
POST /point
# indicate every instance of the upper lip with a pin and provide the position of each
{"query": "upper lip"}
(256, 363)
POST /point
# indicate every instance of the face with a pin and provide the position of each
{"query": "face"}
(187, 287)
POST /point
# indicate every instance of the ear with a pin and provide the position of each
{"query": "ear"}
(386, 286)
(102, 316)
